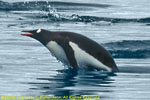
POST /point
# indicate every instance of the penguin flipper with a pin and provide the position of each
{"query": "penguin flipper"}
(69, 53)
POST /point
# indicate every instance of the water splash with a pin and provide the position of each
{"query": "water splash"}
(53, 14)
(50, 11)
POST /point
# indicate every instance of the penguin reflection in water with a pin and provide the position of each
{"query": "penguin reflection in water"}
(74, 49)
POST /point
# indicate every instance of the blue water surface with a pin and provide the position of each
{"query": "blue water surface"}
(121, 26)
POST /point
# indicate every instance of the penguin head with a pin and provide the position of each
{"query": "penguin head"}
(39, 34)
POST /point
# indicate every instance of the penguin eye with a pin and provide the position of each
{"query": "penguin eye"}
(38, 31)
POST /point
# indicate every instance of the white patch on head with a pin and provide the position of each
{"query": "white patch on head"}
(83, 58)
(57, 51)
(38, 31)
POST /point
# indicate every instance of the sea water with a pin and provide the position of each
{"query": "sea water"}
(121, 26)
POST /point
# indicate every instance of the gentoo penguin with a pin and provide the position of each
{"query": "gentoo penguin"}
(74, 49)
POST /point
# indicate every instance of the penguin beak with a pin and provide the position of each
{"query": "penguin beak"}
(28, 33)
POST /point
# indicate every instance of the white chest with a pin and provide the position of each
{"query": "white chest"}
(57, 51)
(83, 59)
